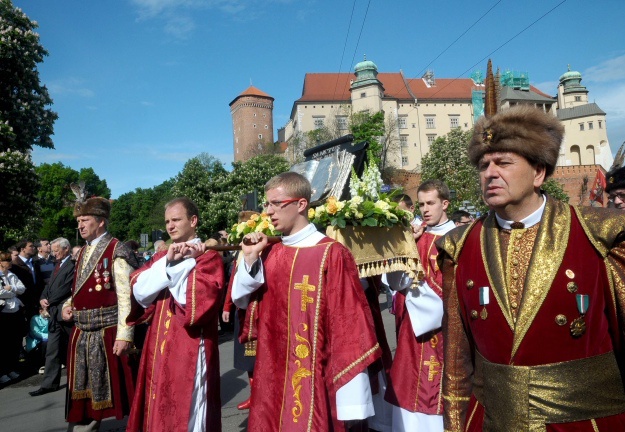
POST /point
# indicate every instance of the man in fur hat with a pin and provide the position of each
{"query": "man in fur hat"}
(615, 188)
(100, 378)
(533, 294)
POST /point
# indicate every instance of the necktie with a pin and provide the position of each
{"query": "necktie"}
(57, 267)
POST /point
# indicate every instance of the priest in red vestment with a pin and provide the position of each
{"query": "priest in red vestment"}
(415, 383)
(309, 315)
(100, 376)
(534, 294)
(178, 292)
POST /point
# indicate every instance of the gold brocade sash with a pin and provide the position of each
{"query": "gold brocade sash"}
(91, 373)
(526, 398)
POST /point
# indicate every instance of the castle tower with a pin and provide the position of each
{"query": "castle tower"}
(252, 122)
(366, 90)
(571, 92)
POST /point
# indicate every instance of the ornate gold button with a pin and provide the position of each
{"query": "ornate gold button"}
(515, 276)
(572, 287)
(514, 305)
(514, 291)
(474, 314)
(560, 319)
(469, 284)
(517, 249)
(569, 273)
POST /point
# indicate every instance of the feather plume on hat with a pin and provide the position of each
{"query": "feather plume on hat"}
(523, 129)
(94, 206)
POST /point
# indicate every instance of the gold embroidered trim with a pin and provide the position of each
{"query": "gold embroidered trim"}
(356, 362)
(550, 246)
(193, 298)
(250, 345)
(471, 417)
(316, 331)
(152, 381)
(456, 398)
(288, 339)
(302, 351)
(493, 264)
(595, 428)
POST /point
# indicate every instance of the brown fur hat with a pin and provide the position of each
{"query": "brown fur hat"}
(615, 179)
(96, 206)
(524, 130)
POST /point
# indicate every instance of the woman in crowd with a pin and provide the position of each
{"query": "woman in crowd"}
(11, 320)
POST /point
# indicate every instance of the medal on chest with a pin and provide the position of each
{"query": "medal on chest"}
(484, 300)
(98, 277)
(106, 273)
(578, 326)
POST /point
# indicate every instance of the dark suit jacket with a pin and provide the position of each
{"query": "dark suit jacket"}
(59, 289)
(31, 296)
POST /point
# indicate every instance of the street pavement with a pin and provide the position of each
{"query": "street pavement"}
(20, 412)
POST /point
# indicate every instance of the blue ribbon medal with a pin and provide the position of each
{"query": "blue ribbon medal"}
(578, 326)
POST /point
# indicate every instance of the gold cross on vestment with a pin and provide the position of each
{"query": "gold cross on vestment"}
(305, 287)
(432, 364)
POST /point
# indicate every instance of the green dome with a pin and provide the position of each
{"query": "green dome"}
(571, 75)
(365, 65)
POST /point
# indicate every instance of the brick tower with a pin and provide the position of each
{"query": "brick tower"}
(252, 122)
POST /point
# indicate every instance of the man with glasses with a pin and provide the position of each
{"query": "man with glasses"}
(615, 188)
(461, 217)
(307, 319)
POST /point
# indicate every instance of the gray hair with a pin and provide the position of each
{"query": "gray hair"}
(63, 243)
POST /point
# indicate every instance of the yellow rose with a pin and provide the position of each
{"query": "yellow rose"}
(319, 211)
(255, 217)
(311, 213)
(251, 223)
(359, 215)
(331, 207)
(262, 226)
(340, 205)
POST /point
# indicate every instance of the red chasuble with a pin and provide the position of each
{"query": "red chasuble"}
(315, 334)
(416, 373)
(547, 340)
(120, 368)
(168, 363)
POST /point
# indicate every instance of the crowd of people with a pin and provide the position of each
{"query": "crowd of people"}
(515, 324)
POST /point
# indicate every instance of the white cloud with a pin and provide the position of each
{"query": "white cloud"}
(180, 27)
(609, 70)
(70, 86)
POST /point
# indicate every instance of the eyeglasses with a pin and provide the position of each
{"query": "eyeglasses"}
(461, 222)
(615, 195)
(279, 204)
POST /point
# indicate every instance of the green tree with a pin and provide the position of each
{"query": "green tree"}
(200, 179)
(56, 200)
(25, 120)
(249, 176)
(555, 190)
(447, 160)
(369, 127)
(140, 211)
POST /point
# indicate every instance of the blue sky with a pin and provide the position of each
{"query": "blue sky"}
(141, 86)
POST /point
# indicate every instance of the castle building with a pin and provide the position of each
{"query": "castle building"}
(421, 109)
(252, 122)
(586, 135)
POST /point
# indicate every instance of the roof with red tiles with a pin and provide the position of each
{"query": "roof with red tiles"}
(334, 87)
(252, 91)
